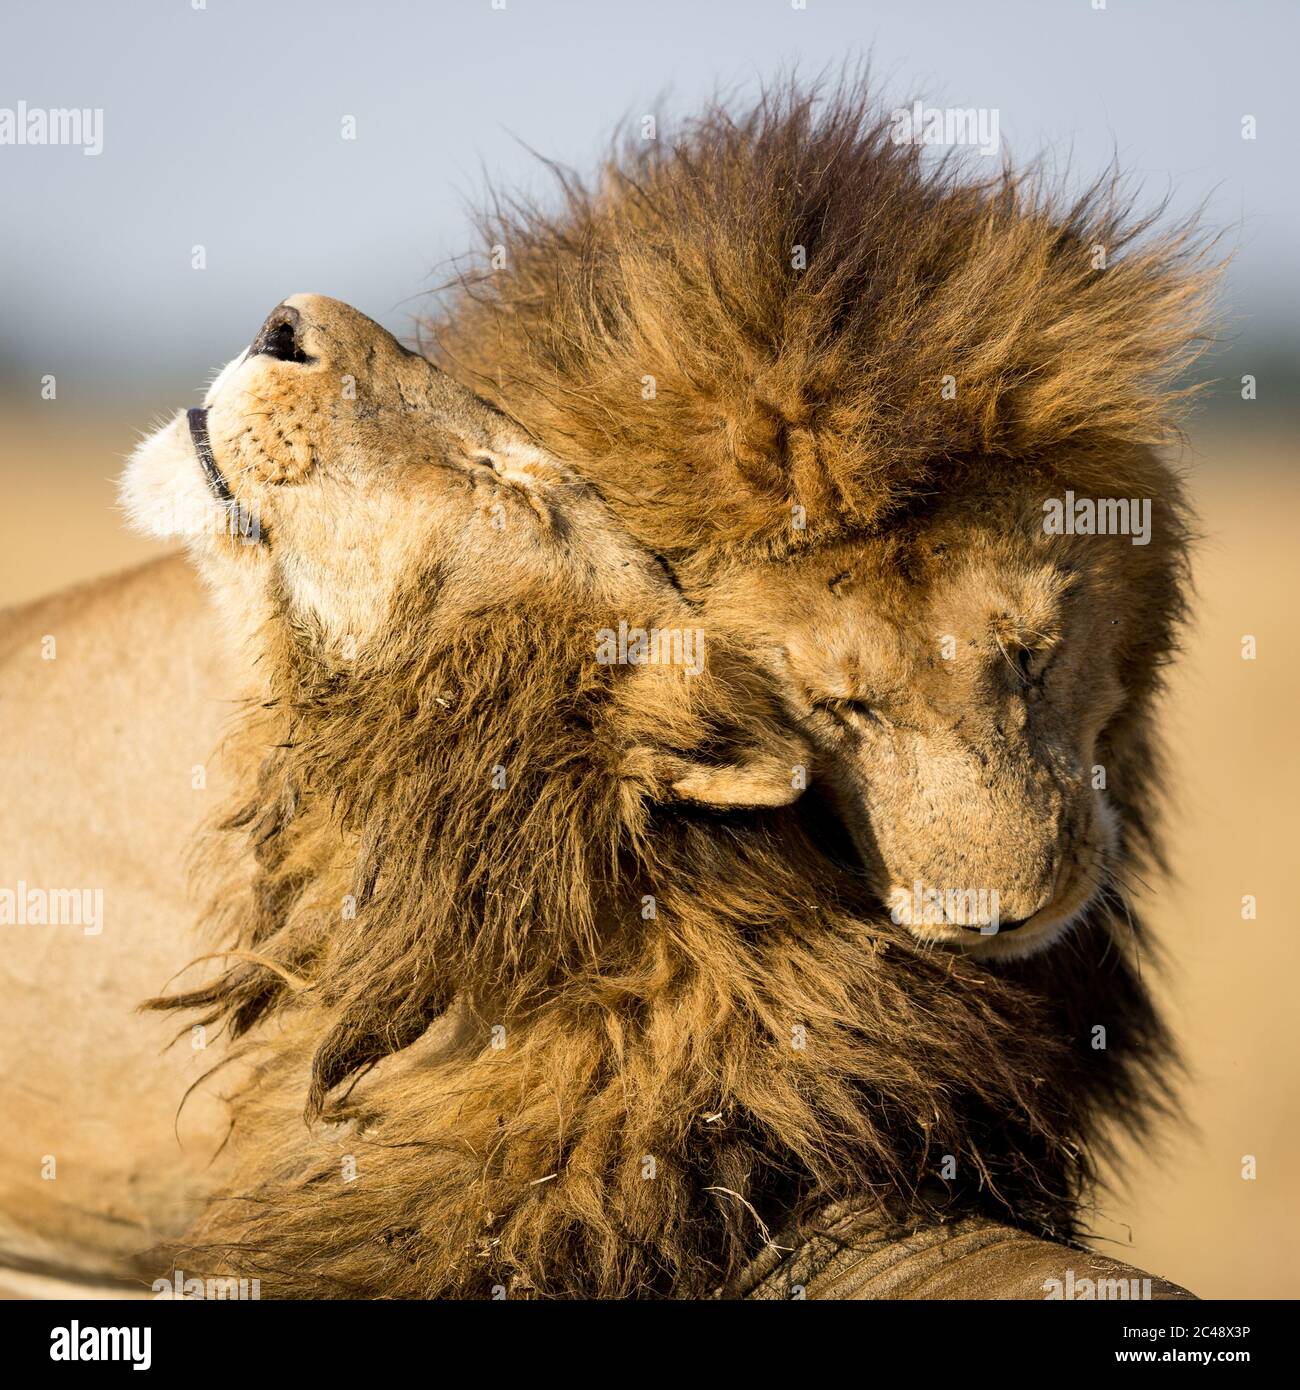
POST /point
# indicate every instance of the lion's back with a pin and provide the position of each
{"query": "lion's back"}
(111, 698)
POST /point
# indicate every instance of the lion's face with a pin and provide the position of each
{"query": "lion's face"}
(344, 494)
(338, 466)
(961, 680)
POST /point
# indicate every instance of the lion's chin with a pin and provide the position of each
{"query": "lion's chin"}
(1039, 933)
(163, 491)
(169, 492)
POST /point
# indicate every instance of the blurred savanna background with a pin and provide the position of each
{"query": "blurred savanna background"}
(227, 181)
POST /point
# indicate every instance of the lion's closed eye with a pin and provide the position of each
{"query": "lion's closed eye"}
(847, 711)
(1031, 663)
(1034, 654)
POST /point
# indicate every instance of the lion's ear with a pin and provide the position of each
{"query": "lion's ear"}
(716, 738)
(759, 777)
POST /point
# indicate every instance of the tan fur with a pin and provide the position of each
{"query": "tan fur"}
(599, 1028)
(103, 740)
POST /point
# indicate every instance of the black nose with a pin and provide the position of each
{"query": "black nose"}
(278, 336)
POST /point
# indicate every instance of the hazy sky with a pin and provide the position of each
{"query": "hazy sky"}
(222, 127)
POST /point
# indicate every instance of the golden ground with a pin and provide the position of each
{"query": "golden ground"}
(1185, 1212)
(57, 469)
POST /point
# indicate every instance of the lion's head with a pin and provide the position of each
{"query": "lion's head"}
(972, 686)
(843, 390)
(330, 467)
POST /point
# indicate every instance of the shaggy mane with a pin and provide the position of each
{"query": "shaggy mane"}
(539, 1085)
(564, 1035)
(654, 331)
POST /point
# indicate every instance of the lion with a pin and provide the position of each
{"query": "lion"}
(555, 974)
(827, 379)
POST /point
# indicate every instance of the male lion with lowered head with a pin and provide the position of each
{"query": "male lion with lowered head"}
(579, 988)
(839, 387)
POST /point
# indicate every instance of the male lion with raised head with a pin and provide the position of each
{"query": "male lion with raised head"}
(552, 975)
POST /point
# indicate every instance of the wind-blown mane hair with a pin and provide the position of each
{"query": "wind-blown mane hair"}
(790, 307)
(552, 1028)
(604, 1099)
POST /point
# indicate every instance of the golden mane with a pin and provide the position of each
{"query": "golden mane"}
(784, 307)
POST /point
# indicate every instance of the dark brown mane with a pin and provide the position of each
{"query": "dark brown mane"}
(763, 1040)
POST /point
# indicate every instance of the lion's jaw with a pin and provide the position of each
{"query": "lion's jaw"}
(165, 495)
